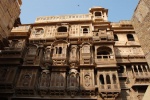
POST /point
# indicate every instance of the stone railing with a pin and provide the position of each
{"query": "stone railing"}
(76, 17)
(141, 74)
(61, 34)
(108, 87)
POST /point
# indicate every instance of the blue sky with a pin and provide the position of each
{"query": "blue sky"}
(118, 9)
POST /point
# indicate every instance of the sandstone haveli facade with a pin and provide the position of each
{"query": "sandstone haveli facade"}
(80, 56)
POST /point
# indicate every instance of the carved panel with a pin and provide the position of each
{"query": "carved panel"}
(85, 54)
(27, 81)
(37, 32)
(58, 81)
(50, 32)
(73, 54)
(44, 82)
(7, 77)
(33, 55)
(125, 51)
(73, 82)
(87, 79)
(17, 44)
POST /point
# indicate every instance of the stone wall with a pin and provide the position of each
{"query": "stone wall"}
(141, 23)
(9, 13)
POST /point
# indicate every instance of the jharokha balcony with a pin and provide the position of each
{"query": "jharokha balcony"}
(104, 59)
(62, 32)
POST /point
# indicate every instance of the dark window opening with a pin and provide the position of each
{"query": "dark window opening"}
(96, 34)
(108, 79)
(135, 69)
(98, 14)
(140, 69)
(85, 30)
(121, 69)
(103, 52)
(62, 29)
(114, 79)
(103, 39)
(115, 37)
(130, 37)
(101, 79)
(60, 50)
(144, 69)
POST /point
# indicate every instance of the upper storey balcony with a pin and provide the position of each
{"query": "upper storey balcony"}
(21, 31)
(103, 36)
(141, 75)
(64, 18)
(62, 32)
(103, 55)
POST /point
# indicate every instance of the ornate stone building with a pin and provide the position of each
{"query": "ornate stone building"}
(9, 17)
(82, 56)
(141, 23)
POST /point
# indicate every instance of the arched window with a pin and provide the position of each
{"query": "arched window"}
(101, 79)
(114, 79)
(130, 37)
(62, 29)
(85, 30)
(60, 50)
(98, 14)
(103, 52)
(115, 37)
(108, 79)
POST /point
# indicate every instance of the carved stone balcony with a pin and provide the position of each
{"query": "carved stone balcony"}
(59, 56)
(104, 59)
(98, 18)
(20, 31)
(85, 59)
(61, 34)
(106, 37)
(109, 90)
(142, 75)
